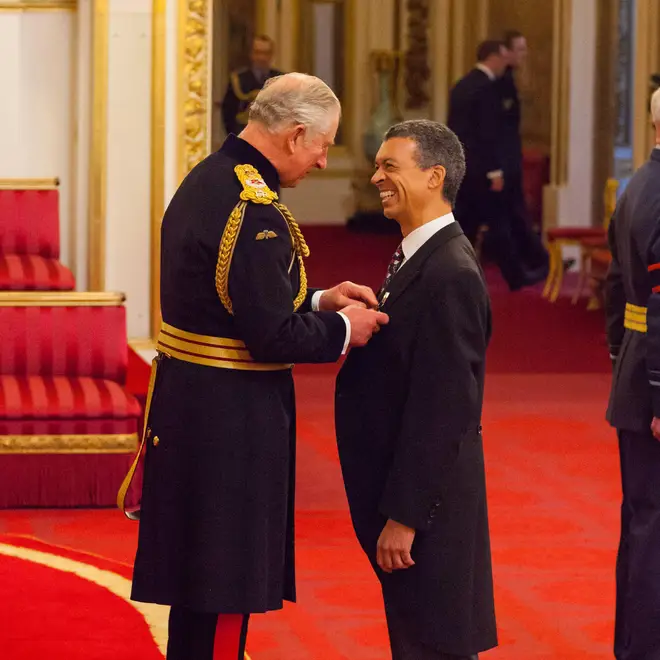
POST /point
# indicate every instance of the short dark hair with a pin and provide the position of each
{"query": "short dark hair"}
(265, 38)
(510, 36)
(436, 145)
(488, 48)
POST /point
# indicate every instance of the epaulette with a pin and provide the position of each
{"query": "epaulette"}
(255, 191)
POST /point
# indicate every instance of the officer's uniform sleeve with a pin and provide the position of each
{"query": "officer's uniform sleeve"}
(230, 105)
(262, 297)
(653, 318)
(615, 297)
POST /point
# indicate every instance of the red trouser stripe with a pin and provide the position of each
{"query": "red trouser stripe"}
(229, 633)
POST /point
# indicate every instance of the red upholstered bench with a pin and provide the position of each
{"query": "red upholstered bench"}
(68, 427)
(29, 237)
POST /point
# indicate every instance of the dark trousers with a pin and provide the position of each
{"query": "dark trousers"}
(206, 636)
(637, 628)
(405, 647)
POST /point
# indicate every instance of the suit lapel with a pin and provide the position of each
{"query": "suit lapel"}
(412, 267)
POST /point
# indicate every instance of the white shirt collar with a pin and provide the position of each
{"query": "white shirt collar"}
(419, 236)
(486, 70)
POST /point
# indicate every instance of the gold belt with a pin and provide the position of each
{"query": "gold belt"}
(635, 318)
(199, 349)
(210, 351)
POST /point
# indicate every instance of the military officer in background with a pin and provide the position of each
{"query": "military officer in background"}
(244, 84)
(216, 538)
(633, 329)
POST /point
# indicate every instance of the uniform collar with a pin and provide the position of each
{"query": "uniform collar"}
(484, 69)
(245, 154)
(655, 154)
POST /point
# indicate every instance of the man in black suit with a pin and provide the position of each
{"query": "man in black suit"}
(475, 115)
(529, 244)
(244, 84)
(633, 329)
(408, 412)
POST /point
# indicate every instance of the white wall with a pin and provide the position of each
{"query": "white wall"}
(575, 201)
(36, 111)
(128, 235)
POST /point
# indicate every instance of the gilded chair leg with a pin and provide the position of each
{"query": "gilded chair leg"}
(552, 270)
(559, 272)
(585, 272)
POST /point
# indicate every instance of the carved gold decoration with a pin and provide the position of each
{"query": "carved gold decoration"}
(60, 299)
(29, 184)
(418, 71)
(194, 54)
(121, 443)
(39, 5)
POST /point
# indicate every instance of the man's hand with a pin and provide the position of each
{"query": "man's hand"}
(497, 184)
(345, 294)
(364, 323)
(655, 428)
(394, 545)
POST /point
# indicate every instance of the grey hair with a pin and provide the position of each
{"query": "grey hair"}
(655, 107)
(436, 145)
(295, 98)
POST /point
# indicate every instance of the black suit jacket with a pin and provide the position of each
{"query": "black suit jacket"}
(242, 89)
(634, 277)
(475, 116)
(509, 132)
(408, 419)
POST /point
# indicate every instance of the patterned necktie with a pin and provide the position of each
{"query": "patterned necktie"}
(395, 264)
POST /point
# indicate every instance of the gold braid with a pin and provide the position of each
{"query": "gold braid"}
(226, 252)
(301, 248)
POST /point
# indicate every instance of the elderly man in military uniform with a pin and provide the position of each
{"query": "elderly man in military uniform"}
(244, 84)
(633, 330)
(216, 538)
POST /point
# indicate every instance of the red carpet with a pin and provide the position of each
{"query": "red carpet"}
(552, 479)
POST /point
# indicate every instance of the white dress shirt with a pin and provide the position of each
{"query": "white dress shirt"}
(419, 236)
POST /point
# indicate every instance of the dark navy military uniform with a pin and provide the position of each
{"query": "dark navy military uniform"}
(216, 522)
(633, 328)
(242, 89)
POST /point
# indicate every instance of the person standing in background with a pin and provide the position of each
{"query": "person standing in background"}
(244, 84)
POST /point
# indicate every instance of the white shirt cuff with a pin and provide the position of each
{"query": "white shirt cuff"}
(348, 332)
(316, 300)
(495, 174)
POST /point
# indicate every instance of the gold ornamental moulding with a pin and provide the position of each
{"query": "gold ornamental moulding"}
(29, 184)
(38, 5)
(118, 443)
(194, 42)
(61, 299)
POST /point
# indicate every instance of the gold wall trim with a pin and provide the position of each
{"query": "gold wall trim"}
(193, 98)
(158, 82)
(99, 138)
(29, 184)
(144, 344)
(119, 443)
(560, 111)
(57, 299)
(40, 5)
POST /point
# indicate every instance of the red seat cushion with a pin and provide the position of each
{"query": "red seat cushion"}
(574, 233)
(594, 242)
(30, 272)
(64, 398)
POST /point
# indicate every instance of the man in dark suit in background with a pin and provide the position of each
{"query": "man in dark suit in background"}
(408, 412)
(244, 84)
(529, 244)
(475, 115)
(633, 329)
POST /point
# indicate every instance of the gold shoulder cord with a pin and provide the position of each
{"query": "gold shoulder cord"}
(256, 191)
(240, 94)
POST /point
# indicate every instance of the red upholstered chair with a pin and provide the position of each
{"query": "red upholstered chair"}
(29, 238)
(559, 237)
(68, 427)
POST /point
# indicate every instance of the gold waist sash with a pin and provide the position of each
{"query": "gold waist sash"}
(635, 318)
(209, 351)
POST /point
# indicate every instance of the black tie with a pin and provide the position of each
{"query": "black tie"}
(395, 264)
